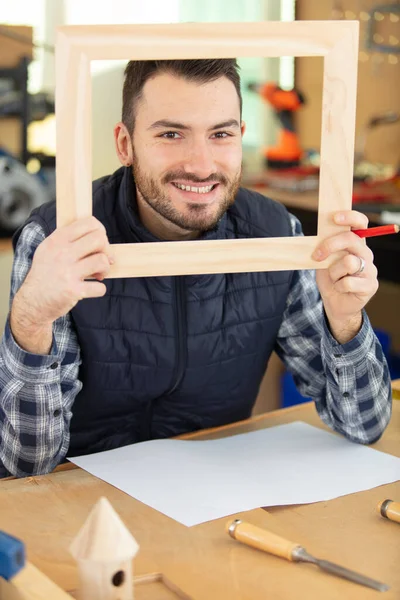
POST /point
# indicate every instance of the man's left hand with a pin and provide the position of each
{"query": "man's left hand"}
(351, 281)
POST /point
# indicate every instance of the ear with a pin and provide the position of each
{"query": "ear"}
(243, 127)
(123, 144)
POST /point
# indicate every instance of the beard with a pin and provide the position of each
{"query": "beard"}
(197, 217)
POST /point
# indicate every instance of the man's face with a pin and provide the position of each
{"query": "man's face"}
(187, 150)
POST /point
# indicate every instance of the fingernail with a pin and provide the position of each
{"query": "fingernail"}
(339, 218)
(317, 254)
(111, 260)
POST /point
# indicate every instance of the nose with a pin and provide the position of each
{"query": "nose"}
(200, 160)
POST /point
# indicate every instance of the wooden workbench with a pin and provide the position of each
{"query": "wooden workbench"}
(47, 512)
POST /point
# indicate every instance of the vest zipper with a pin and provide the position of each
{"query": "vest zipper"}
(179, 302)
(180, 332)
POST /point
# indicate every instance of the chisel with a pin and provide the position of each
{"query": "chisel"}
(389, 510)
(274, 544)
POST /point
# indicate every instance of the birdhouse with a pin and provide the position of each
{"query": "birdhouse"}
(104, 549)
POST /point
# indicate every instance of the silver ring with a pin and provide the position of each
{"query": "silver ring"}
(361, 267)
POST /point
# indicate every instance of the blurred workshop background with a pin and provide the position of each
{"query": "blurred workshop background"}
(282, 109)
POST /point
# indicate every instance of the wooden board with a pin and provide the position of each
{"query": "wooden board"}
(203, 561)
(31, 584)
(11, 51)
(336, 41)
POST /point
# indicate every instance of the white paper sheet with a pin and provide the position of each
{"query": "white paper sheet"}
(195, 481)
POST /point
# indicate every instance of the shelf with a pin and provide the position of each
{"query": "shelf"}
(5, 244)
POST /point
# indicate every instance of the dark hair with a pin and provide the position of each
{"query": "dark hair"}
(137, 72)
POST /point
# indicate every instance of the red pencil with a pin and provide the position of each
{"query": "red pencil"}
(374, 231)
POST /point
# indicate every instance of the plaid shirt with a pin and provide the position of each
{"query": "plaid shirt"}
(349, 383)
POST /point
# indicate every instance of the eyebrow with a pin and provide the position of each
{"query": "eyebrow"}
(162, 123)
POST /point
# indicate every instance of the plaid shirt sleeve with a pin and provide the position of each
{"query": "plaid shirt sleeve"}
(349, 383)
(36, 392)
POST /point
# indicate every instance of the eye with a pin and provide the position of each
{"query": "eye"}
(222, 135)
(170, 135)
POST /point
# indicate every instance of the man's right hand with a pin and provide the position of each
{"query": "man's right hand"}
(56, 281)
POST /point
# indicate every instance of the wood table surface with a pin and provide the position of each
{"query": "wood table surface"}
(203, 561)
(396, 389)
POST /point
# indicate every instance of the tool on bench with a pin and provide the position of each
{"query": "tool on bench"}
(389, 510)
(274, 544)
(12, 556)
(287, 152)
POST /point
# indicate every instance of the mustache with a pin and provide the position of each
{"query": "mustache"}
(192, 178)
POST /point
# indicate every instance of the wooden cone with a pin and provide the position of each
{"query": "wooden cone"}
(104, 549)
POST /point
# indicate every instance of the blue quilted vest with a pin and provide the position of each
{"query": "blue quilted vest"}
(163, 356)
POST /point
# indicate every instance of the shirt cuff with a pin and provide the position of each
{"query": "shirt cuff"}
(27, 367)
(353, 352)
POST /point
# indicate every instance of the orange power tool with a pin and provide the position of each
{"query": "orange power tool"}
(287, 152)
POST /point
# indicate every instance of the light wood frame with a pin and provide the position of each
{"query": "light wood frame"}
(336, 41)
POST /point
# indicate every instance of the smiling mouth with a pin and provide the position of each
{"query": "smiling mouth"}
(205, 189)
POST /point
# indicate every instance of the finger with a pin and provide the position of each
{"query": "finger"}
(349, 265)
(348, 241)
(361, 286)
(353, 218)
(91, 243)
(80, 227)
(93, 289)
(98, 276)
(95, 264)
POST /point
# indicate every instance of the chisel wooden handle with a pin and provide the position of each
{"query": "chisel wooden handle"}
(389, 510)
(261, 539)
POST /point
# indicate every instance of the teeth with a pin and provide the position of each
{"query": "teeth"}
(197, 190)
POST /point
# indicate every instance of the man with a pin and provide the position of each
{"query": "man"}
(88, 364)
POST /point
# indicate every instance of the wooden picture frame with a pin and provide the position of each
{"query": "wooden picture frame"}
(336, 41)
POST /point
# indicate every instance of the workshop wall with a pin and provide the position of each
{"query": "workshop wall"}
(11, 51)
(378, 91)
(106, 112)
(378, 78)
